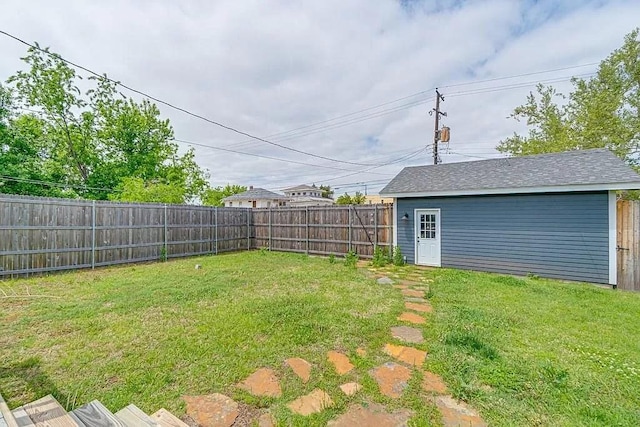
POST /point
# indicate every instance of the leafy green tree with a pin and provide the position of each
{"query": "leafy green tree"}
(602, 111)
(356, 199)
(95, 141)
(327, 192)
(22, 169)
(136, 190)
(214, 196)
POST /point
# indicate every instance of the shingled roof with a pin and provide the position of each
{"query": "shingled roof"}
(582, 170)
(256, 194)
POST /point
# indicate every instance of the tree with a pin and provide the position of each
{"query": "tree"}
(357, 199)
(602, 111)
(95, 141)
(22, 169)
(214, 196)
(137, 190)
(327, 192)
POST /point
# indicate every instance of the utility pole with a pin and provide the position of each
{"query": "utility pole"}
(436, 133)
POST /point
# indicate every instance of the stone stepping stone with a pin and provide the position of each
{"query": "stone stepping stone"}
(432, 383)
(350, 388)
(312, 403)
(213, 410)
(418, 300)
(412, 318)
(423, 308)
(372, 415)
(262, 382)
(266, 420)
(407, 334)
(401, 286)
(457, 413)
(385, 281)
(409, 355)
(412, 293)
(340, 362)
(300, 367)
(392, 378)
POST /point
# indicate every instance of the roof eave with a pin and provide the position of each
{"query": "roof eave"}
(518, 190)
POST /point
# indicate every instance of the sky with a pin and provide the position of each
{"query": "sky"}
(350, 80)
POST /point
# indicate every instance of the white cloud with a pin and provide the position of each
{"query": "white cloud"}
(267, 67)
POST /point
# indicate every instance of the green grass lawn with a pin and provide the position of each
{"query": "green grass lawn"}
(522, 351)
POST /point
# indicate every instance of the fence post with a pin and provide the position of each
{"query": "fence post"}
(269, 227)
(248, 229)
(211, 230)
(375, 226)
(306, 220)
(93, 234)
(166, 249)
(389, 210)
(350, 221)
(215, 212)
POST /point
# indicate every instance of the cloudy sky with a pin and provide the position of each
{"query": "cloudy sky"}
(351, 80)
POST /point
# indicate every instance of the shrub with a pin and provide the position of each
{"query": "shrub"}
(380, 257)
(351, 259)
(398, 258)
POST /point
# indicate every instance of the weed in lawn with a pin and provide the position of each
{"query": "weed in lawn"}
(380, 257)
(471, 342)
(351, 259)
(398, 257)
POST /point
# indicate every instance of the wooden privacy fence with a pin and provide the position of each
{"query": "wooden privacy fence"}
(628, 245)
(40, 235)
(331, 230)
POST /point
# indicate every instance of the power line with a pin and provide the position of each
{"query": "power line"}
(414, 103)
(408, 157)
(260, 155)
(54, 184)
(175, 107)
(519, 75)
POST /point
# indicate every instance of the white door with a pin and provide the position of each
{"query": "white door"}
(427, 236)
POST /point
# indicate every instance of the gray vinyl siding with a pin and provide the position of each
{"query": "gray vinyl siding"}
(557, 235)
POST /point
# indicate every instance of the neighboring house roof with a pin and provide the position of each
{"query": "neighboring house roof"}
(256, 194)
(582, 170)
(302, 187)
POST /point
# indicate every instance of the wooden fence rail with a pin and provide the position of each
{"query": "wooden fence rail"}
(40, 235)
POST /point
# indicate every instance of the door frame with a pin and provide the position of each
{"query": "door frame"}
(416, 224)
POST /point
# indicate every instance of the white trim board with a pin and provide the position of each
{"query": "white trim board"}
(613, 235)
(519, 190)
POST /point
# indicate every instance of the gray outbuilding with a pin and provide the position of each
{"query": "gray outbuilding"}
(553, 215)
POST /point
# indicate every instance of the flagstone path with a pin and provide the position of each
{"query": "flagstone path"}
(392, 378)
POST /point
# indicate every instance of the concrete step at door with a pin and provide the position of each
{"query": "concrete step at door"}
(47, 412)
(96, 414)
(132, 416)
(166, 419)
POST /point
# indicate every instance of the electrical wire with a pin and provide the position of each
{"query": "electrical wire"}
(175, 107)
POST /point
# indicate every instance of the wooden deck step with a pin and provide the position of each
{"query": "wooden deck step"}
(96, 414)
(22, 418)
(47, 412)
(166, 419)
(132, 416)
(6, 417)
